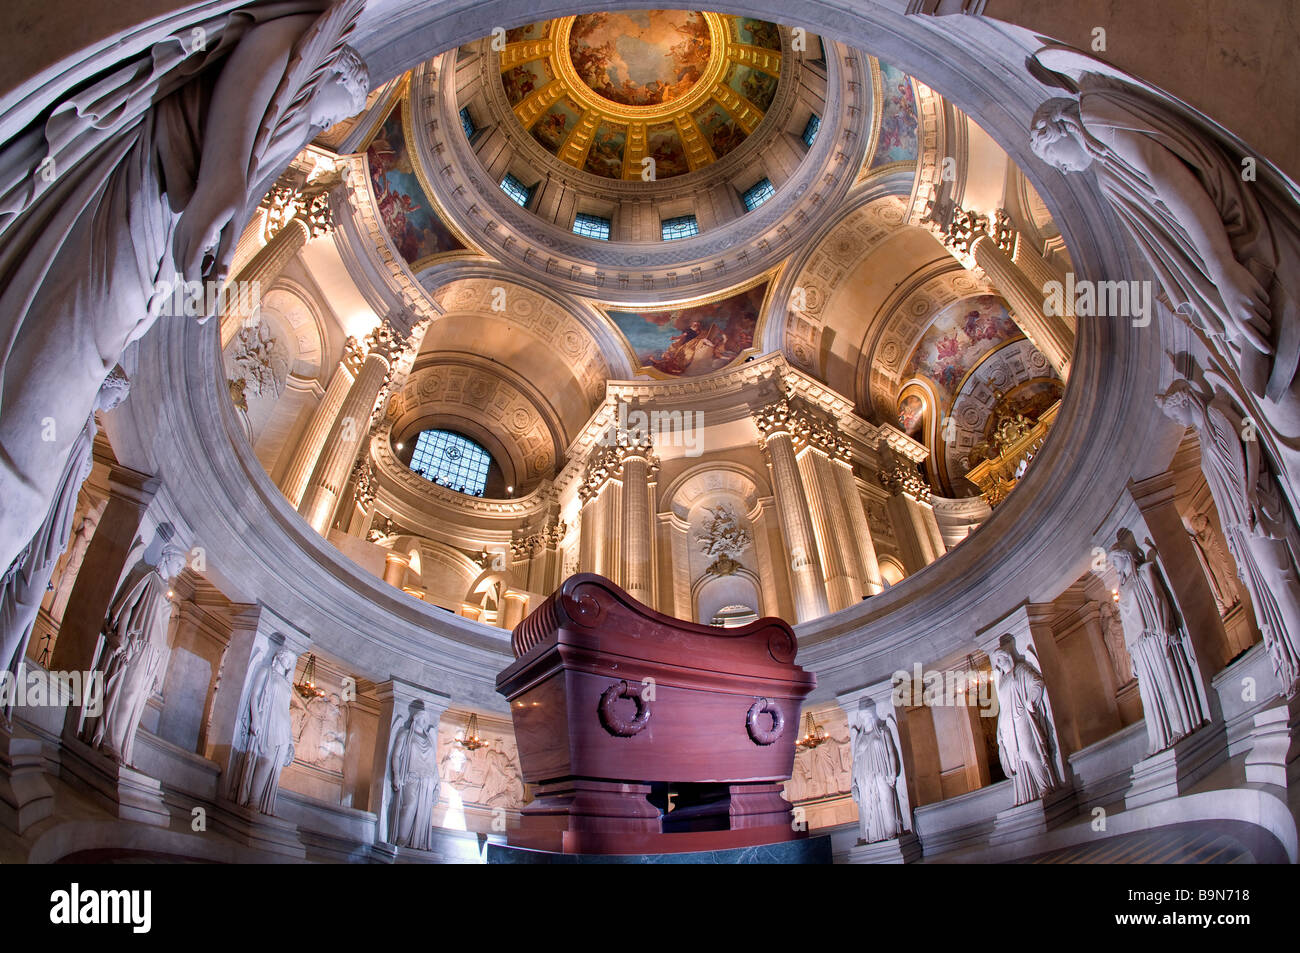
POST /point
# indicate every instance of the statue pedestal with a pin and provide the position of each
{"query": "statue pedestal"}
(1033, 818)
(1171, 772)
(903, 849)
(252, 828)
(1274, 756)
(126, 792)
(25, 795)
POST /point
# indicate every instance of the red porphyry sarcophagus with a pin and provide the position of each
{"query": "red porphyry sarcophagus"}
(647, 734)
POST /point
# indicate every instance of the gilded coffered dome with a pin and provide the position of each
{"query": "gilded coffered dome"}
(642, 94)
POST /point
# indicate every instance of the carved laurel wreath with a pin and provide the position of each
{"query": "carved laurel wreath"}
(615, 723)
(764, 736)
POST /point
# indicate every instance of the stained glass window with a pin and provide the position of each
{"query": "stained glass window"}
(451, 460)
(682, 227)
(756, 196)
(591, 226)
(516, 190)
(467, 123)
(810, 131)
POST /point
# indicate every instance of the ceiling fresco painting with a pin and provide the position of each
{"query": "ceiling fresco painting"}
(955, 341)
(898, 121)
(693, 340)
(604, 91)
(641, 57)
(408, 216)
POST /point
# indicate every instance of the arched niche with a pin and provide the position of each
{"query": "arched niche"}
(712, 594)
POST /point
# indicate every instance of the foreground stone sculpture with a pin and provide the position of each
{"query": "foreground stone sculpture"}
(877, 774)
(132, 652)
(1260, 531)
(1214, 562)
(137, 180)
(1163, 660)
(413, 773)
(1225, 248)
(1026, 739)
(25, 583)
(270, 734)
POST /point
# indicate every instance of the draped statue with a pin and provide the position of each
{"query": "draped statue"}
(131, 653)
(1163, 661)
(413, 773)
(1225, 248)
(142, 177)
(878, 784)
(1214, 562)
(1224, 245)
(1027, 744)
(269, 734)
(1258, 526)
(28, 577)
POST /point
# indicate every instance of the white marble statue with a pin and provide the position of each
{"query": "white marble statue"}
(1163, 660)
(132, 651)
(413, 773)
(1112, 633)
(25, 583)
(1214, 561)
(878, 785)
(1259, 528)
(1225, 248)
(145, 174)
(75, 556)
(269, 734)
(1027, 744)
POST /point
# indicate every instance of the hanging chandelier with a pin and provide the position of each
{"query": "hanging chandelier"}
(306, 686)
(471, 740)
(813, 734)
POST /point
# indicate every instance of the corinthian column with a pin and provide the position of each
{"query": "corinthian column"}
(638, 464)
(308, 217)
(263, 269)
(830, 525)
(348, 431)
(859, 528)
(294, 482)
(777, 425)
(1049, 333)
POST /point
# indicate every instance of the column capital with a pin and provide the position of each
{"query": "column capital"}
(903, 478)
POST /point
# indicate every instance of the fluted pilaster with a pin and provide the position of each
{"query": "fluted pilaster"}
(348, 431)
(294, 482)
(777, 424)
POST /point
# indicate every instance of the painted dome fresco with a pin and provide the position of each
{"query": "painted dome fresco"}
(604, 92)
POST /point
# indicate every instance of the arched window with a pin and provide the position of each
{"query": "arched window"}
(451, 460)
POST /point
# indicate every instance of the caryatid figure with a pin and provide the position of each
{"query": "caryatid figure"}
(133, 651)
(270, 734)
(877, 776)
(1225, 249)
(1026, 738)
(413, 773)
(142, 176)
(1163, 661)
(25, 583)
(1257, 524)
